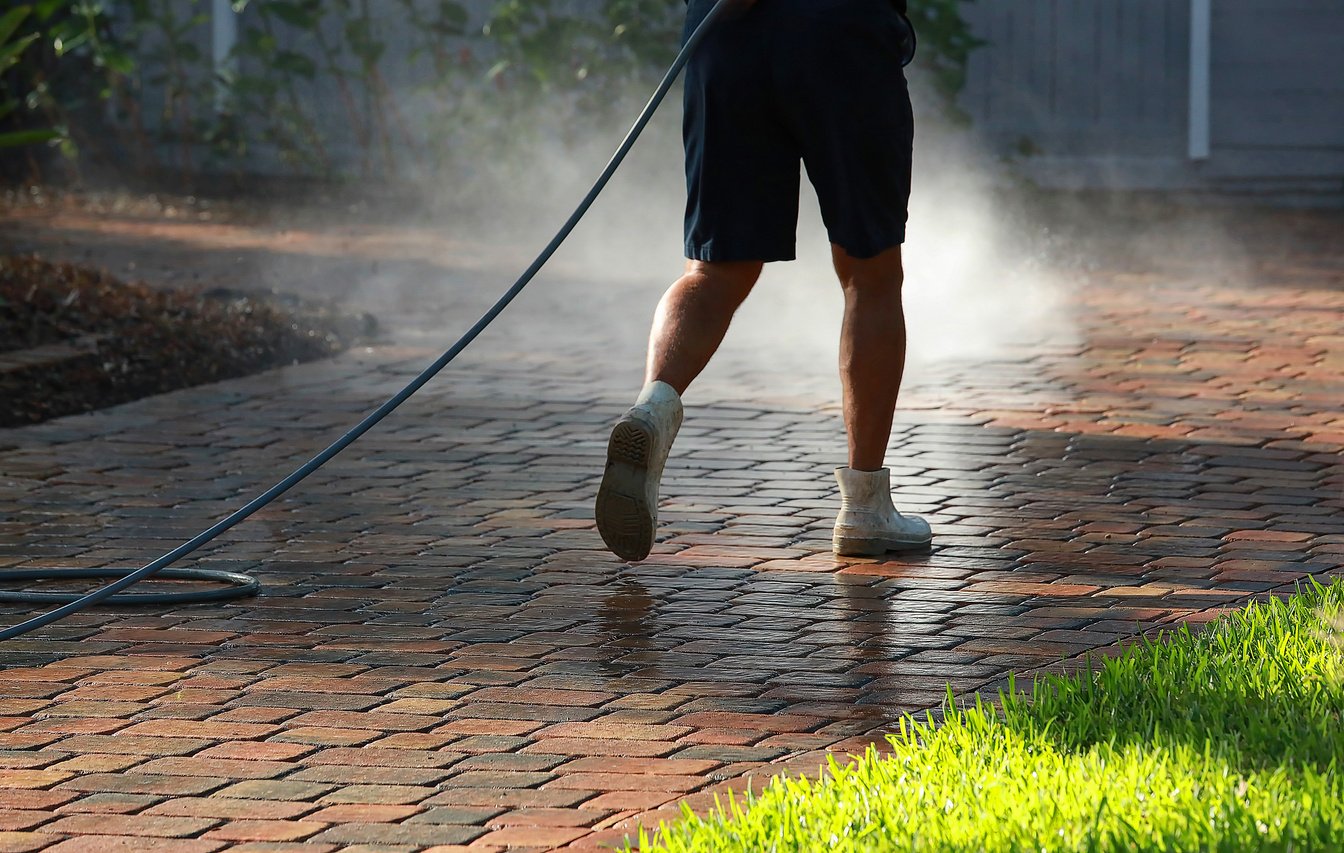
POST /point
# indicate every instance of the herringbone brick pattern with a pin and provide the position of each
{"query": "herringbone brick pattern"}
(444, 658)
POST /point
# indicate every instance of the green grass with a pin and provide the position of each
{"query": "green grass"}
(1231, 739)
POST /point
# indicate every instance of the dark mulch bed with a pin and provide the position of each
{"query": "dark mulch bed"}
(117, 341)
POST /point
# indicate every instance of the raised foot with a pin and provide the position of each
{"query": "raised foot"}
(624, 515)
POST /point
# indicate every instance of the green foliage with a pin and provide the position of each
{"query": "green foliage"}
(140, 88)
(1229, 740)
(945, 46)
(63, 70)
(546, 50)
(12, 46)
(268, 96)
(172, 68)
(541, 70)
(12, 43)
(547, 47)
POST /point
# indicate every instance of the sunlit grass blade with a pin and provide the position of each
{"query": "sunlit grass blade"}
(1230, 739)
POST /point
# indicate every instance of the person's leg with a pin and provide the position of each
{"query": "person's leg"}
(742, 175)
(688, 327)
(693, 317)
(872, 351)
(872, 360)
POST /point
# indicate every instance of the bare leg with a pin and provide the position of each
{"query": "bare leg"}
(693, 317)
(872, 351)
(690, 324)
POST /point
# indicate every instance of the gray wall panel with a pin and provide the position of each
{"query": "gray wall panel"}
(1081, 77)
(1104, 85)
(1279, 75)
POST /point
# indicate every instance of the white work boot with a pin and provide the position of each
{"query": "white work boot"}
(627, 501)
(868, 523)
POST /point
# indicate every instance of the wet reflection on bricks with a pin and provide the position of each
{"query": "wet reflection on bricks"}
(444, 654)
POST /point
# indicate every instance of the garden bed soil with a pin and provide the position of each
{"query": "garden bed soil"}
(74, 339)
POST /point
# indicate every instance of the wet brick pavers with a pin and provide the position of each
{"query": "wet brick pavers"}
(445, 659)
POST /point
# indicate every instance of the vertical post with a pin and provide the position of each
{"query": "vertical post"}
(1201, 57)
(223, 38)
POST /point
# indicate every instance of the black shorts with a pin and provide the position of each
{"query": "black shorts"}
(813, 81)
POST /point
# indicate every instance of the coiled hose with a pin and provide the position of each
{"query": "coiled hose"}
(242, 585)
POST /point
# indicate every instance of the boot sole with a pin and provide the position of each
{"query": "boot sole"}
(624, 517)
(846, 547)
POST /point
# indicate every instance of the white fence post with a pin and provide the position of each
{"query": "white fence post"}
(1201, 50)
(223, 38)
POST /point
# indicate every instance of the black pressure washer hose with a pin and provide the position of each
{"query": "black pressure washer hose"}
(242, 585)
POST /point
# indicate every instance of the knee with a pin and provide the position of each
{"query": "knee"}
(869, 284)
(883, 274)
(733, 280)
(873, 283)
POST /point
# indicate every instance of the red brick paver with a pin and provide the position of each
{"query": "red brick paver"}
(444, 657)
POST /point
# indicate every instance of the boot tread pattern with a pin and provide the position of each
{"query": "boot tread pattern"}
(624, 518)
(630, 443)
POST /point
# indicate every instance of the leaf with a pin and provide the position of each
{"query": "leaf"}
(17, 138)
(9, 22)
(363, 45)
(359, 33)
(46, 8)
(10, 53)
(64, 46)
(119, 61)
(293, 14)
(291, 62)
(263, 43)
(452, 16)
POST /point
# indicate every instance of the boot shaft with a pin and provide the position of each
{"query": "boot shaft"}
(864, 491)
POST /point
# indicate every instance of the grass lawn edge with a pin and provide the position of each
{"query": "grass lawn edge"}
(1223, 738)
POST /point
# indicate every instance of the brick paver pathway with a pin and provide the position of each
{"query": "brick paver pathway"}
(444, 658)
